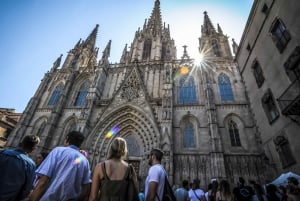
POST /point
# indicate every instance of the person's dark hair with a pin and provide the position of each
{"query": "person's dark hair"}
(282, 188)
(293, 180)
(225, 188)
(29, 142)
(185, 183)
(157, 153)
(75, 138)
(214, 189)
(44, 154)
(241, 180)
(196, 183)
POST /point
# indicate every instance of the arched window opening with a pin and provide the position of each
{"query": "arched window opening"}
(234, 134)
(41, 129)
(81, 95)
(187, 91)
(56, 94)
(225, 88)
(216, 48)
(73, 127)
(147, 49)
(164, 51)
(189, 136)
(285, 154)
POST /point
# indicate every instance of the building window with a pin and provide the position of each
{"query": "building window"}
(73, 127)
(269, 106)
(258, 74)
(55, 95)
(147, 49)
(164, 51)
(284, 151)
(225, 88)
(216, 48)
(189, 139)
(81, 95)
(234, 134)
(41, 129)
(187, 91)
(292, 65)
(280, 35)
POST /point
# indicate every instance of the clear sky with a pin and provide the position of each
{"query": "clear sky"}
(35, 32)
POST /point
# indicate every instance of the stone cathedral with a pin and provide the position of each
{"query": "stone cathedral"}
(198, 114)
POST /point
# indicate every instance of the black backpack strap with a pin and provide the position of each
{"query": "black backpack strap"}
(104, 171)
(128, 174)
(196, 195)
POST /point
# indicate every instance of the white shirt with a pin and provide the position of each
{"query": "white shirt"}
(198, 192)
(156, 174)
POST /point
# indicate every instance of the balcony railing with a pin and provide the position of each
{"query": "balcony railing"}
(289, 101)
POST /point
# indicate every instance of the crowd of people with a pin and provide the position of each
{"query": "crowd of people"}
(221, 191)
(64, 175)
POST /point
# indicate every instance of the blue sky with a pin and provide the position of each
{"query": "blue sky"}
(35, 32)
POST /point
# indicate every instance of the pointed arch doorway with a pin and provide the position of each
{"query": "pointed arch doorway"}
(134, 155)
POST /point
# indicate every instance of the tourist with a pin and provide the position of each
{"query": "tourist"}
(17, 170)
(182, 193)
(64, 174)
(224, 193)
(155, 181)
(196, 194)
(110, 176)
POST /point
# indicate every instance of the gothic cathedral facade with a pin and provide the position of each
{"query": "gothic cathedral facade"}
(198, 114)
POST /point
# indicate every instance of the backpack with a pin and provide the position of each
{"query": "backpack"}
(245, 193)
(168, 194)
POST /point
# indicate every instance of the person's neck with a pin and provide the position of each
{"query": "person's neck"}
(156, 163)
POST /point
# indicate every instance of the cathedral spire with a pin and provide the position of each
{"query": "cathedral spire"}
(56, 64)
(220, 30)
(91, 39)
(124, 55)
(207, 27)
(106, 53)
(155, 21)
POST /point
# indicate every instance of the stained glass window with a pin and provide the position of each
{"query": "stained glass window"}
(55, 95)
(81, 95)
(189, 139)
(225, 87)
(187, 91)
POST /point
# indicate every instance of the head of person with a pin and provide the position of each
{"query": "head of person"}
(185, 184)
(118, 149)
(40, 157)
(74, 138)
(292, 182)
(282, 189)
(224, 187)
(196, 184)
(29, 143)
(241, 181)
(155, 156)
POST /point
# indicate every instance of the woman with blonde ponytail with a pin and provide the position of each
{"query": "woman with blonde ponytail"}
(111, 174)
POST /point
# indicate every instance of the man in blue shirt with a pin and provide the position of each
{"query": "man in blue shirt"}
(64, 174)
(182, 193)
(18, 170)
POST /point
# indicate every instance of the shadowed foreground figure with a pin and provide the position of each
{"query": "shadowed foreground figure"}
(17, 170)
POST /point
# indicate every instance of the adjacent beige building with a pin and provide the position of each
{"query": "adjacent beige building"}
(198, 115)
(8, 120)
(269, 62)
